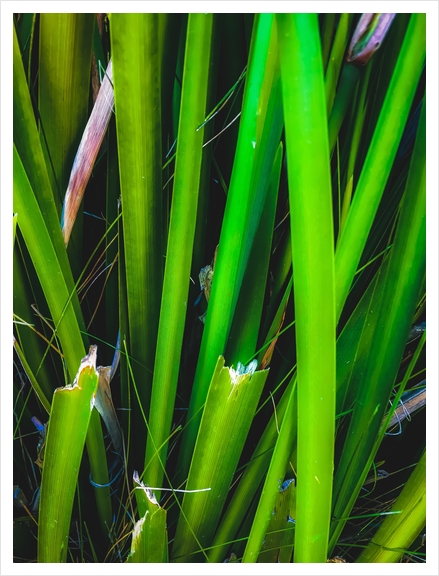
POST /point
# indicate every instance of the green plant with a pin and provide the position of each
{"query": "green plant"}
(245, 153)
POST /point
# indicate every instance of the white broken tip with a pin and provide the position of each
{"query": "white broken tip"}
(149, 494)
(242, 370)
(90, 359)
(138, 526)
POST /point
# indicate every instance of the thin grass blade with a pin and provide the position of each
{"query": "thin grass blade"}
(403, 283)
(380, 157)
(180, 241)
(235, 242)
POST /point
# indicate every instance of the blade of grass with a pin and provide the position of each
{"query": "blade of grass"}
(280, 533)
(235, 241)
(230, 405)
(380, 157)
(349, 79)
(205, 200)
(44, 258)
(68, 424)
(404, 280)
(358, 116)
(28, 329)
(314, 281)
(25, 28)
(275, 475)
(137, 94)
(180, 241)
(63, 87)
(28, 146)
(112, 252)
(336, 58)
(150, 539)
(246, 322)
(46, 263)
(327, 34)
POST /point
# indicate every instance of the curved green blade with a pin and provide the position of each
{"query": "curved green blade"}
(68, 424)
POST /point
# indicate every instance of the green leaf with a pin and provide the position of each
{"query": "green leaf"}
(380, 157)
(403, 281)
(336, 58)
(68, 424)
(244, 206)
(64, 317)
(278, 545)
(137, 95)
(150, 538)
(45, 260)
(246, 322)
(63, 88)
(257, 466)
(180, 242)
(25, 28)
(275, 474)
(314, 281)
(230, 407)
(27, 142)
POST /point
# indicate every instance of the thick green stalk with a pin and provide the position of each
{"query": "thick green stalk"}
(137, 93)
(230, 406)
(313, 263)
(70, 415)
(180, 242)
(314, 283)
